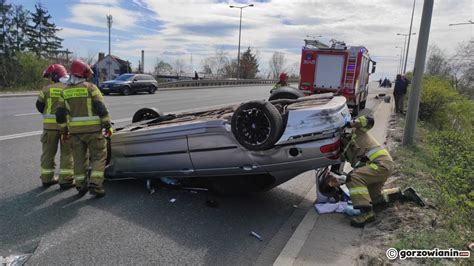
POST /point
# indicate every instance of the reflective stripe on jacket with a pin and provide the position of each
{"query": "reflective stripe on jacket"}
(50, 95)
(79, 101)
(363, 147)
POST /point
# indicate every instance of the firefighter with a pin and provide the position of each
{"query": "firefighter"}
(82, 115)
(372, 166)
(283, 81)
(46, 104)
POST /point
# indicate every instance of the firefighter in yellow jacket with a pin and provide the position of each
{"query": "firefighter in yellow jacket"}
(372, 166)
(83, 116)
(46, 104)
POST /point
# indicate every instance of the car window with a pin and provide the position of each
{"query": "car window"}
(124, 77)
(147, 77)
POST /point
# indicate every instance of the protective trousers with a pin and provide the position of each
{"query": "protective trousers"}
(89, 147)
(50, 140)
(398, 102)
(366, 182)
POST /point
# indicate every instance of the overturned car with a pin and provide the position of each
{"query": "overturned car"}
(250, 147)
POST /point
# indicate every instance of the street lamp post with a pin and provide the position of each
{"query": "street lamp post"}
(404, 57)
(240, 30)
(400, 60)
(409, 37)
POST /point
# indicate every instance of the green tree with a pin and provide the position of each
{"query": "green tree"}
(42, 33)
(30, 70)
(6, 13)
(20, 25)
(248, 65)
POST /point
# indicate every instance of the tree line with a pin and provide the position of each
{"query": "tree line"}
(28, 42)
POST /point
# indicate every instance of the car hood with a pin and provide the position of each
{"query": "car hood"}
(116, 82)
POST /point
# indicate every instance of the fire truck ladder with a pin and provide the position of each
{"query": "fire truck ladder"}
(350, 71)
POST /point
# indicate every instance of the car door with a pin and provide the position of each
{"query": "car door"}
(217, 154)
(153, 154)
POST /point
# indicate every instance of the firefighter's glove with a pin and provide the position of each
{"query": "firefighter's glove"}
(108, 132)
(336, 180)
(65, 138)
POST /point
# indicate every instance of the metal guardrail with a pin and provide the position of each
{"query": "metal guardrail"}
(216, 82)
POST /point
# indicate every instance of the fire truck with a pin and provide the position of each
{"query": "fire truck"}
(340, 69)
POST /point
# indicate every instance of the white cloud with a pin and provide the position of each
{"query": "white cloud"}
(198, 27)
(95, 15)
(73, 33)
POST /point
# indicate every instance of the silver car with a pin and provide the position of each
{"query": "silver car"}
(250, 147)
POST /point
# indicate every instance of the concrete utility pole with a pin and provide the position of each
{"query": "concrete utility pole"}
(240, 30)
(414, 100)
(409, 37)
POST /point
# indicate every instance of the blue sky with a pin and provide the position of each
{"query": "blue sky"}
(192, 30)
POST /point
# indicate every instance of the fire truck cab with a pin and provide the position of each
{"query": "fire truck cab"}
(340, 69)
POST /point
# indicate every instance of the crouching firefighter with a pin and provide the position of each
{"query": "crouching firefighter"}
(82, 115)
(372, 166)
(46, 104)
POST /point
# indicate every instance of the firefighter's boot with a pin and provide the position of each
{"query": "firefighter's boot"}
(96, 190)
(365, 217)
(51, 182)
(66, 185)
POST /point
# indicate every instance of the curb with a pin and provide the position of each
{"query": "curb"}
(295, 244)
(30, 94)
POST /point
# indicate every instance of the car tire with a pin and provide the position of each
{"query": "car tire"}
(285, 93)
(152, 90)
(257, 125)
(146, 114)
(126, 91)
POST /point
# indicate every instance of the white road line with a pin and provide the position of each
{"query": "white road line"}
(128, 119)
(27, 114)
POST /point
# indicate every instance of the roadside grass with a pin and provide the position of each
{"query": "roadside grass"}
(451, 204)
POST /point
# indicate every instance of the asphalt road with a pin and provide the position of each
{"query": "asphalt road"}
(130, 226)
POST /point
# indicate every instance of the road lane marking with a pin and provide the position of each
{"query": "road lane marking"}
(128, 119)
(27, 114)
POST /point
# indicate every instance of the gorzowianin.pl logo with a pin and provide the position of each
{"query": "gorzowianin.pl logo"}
(403, 254)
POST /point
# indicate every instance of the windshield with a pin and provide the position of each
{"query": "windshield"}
(124, 77)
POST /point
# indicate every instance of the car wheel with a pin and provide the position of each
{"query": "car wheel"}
(146, 114)
(285, 93)
(126, 91)
(152, 90)
(257, 125)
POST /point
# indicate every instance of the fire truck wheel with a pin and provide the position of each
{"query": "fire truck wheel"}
(257, 125)
(285, 93)
(362, 105)
(146, 114)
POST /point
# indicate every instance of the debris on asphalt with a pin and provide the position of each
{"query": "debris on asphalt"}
(195, 188)
(382, 94)
(169, 181)
(15, 259)
(295, 206)
(172, 200)
(256, 235)
(149, 187)
(386, 99)
(212, 203)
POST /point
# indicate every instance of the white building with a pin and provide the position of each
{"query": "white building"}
(109, 67)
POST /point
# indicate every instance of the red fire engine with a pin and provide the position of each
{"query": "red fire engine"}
(338, 69)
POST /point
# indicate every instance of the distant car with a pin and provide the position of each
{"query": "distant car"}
(246, 148)
(129, 84)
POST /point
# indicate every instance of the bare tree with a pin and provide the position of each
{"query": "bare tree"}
(463, 69)
(178, 66)
(437, 63)
(277, 63)
(162, 67)
(216, 63)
